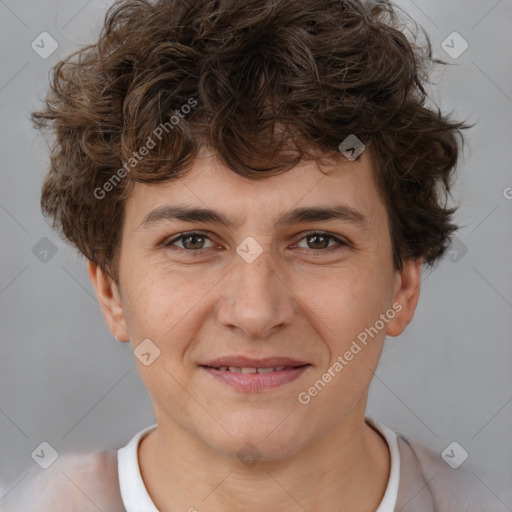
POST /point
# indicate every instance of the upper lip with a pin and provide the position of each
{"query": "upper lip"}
(249, 362)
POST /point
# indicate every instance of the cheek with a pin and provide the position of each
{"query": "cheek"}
(347, 307)
(167, 307)
(346, 311)
(348, 301)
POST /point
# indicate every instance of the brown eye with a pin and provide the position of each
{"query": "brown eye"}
(322, 241)
(193, 241)
(189, 241)
(317, 241)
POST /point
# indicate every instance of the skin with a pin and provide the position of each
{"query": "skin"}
(299, 299)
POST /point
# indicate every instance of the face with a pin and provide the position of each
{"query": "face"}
(266, 274)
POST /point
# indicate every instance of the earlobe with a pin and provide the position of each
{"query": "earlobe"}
(110, 301)
(406, 296)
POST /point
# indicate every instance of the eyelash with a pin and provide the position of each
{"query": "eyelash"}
(342, 243)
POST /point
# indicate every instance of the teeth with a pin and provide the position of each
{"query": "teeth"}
(266, 370)
(237, 369)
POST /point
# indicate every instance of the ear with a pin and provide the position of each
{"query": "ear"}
(110, 301)
(405, 296)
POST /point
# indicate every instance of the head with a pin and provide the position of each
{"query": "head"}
(235, 113)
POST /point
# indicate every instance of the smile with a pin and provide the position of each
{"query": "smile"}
(250, 379)
(237, 369)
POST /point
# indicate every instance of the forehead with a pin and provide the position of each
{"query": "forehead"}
(209, 184)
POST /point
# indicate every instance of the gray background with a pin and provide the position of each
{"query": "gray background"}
(65, 380)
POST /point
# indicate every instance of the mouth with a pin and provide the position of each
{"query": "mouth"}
(253, 362)
(257, 376)
(247, 370)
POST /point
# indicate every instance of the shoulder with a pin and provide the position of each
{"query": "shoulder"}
(428, 483)
(74, 483)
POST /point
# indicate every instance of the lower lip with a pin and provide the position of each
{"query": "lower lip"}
(256, 381)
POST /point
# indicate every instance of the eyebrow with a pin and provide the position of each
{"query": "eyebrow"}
(296, 216)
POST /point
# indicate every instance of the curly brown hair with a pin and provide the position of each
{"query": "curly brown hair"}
(265, 84)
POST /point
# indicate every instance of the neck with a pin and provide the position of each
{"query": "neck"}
(347, 470)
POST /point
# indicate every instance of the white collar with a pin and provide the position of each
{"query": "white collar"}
(136, 497)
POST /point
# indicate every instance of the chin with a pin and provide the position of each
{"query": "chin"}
(254, 442)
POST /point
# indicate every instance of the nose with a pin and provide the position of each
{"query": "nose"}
(256, 299)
